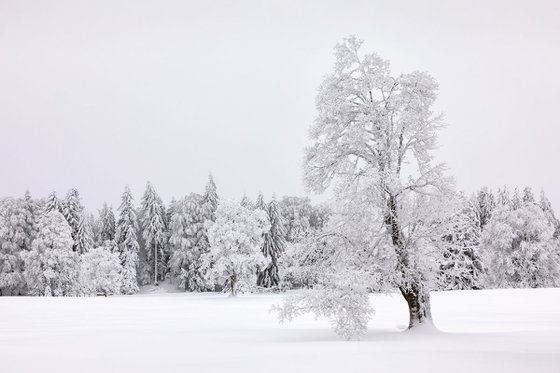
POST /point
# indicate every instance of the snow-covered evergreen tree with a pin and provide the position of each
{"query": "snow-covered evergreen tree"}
(484, 203)
(246, 202)
(84, 236)
(503, 198)
(461, 265)
(108, 224)
(519, 250)
(210, 199)
(528, 196)
(15, 238)
(53, 204)
(127, 241)
(273, 246)
(72, 210)
(51, 267)
(154, 234)
(100, 272)
(546, 207)
(516, 200)
(235, 246)
(188, 240)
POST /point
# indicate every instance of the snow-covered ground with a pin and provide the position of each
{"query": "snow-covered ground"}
(480, 331)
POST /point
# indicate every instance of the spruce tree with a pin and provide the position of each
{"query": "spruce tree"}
(210, 199)
(84, 236)
(528, 196)
(53, 203)
(154, 234)
(126, 238)
(273, 246)
(72, 211)
(107, 223)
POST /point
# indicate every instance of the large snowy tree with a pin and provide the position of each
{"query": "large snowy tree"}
(373, 140)
(127, 241)
(154, 235)
(51, 267)
(235, 246)
(84, 236)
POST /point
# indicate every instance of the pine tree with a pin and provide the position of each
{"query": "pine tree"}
(484, 203)
(210, 199)
(546, 207)
(246, 202)
(107, 223)
(503, 198)
(53, 203)
(84, 236)
(15, 239)
(126, 238)
(188, 240)
(72, 210)
(516, 200)
(273, 246)
(528, 196)
(154, 234)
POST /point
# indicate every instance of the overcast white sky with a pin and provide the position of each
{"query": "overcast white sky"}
(99, 94)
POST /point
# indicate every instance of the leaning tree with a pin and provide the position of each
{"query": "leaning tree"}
(372, 143)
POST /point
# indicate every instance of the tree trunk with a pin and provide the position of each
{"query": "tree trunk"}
(417, 298)
(233, 284)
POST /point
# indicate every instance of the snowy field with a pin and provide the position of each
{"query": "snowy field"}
(480, 331)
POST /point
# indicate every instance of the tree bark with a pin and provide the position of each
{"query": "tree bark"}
(233, 284)
(417, 298)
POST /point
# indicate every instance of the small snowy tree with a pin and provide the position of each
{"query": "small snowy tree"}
(126, 239)
(235, 246)
(51, 267)
(100, 272)
(273, 247)
(546, 207)
(519, 250)
(483, 204)
(154, 234)
(210, 199)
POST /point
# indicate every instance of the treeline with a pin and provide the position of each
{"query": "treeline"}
(54, 247)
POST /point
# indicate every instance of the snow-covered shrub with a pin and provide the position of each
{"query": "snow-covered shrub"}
(519, 250)
(100, 272)
(344, 300)
(235, 238)
(51, 267)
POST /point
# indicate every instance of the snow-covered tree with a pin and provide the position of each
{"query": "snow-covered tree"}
(546, 206)
(188, 240)
(461, 265)
(296, 213)
(235, 246)
(15, 238)
(108, 224)
(246, 202)
(72, 210)
(519, 250)
(273, 246)
(127, 241)
(100, 272)
(528, 196)
(369, 125)
(154, 234)
(484, 203)
(210, 199)
(503, 198)
(51, 267)
(516, 200)
(84, 236)
(53, 204)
